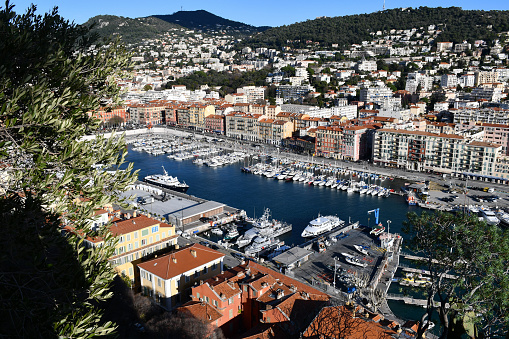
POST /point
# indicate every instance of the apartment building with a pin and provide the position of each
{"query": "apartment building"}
(377, 94)
(273, 131)
(491, 115)
(357, 142)
(271, 111)
(251, 294)
(484, 77)
(104, 114)
(329, 142)
(198, 113)
(243, 126)
(183, 116)
(290, 92)
(236, 98)
(424, 151)
(168, 279)
(137, 236)
(448, 80)
(215, 123)
(146, 114)
(496, 134)
(252, 93)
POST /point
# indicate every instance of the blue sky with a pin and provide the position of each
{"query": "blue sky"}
(257, 13)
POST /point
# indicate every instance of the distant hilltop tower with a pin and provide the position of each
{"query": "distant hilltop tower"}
(384, 6)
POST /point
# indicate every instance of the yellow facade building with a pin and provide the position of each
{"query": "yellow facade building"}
(137, 237)
(168, 279)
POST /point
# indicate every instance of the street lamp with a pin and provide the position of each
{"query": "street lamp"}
(388, 227)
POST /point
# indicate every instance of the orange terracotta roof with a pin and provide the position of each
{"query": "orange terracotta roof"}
(201, 310)
(346, 325)
(180, 261)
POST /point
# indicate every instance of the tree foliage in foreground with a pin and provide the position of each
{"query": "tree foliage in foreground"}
(476, 254)
(50, 285)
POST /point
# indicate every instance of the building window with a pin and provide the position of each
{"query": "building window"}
(130, 271)
(207, 299)
(144, 233)
(128, 237)
(198, 295)
(231, 314)
(150, 240)
(155, 229)
(196, 274)
(214, 266)
(205, 270)
(187, 278)
(230, 301)
(159, 282)
(135, 235)
(136, 245)
(214, 302)
(143, 242)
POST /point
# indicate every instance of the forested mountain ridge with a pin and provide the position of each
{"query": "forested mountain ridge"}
(206, 21)
(129, 30)
(455, 23)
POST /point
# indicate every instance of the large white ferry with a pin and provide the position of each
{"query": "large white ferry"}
(321, 225)
(166, 181)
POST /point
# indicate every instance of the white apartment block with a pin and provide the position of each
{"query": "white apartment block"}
(252, 93)
(416, 79)
(366, 66)
(467, 80)
(488, 115)
(487, 93)
(424, 151)
(449, 80)
(376, 94)
(348, 111)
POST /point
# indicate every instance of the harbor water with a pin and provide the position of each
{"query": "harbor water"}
(295, 203)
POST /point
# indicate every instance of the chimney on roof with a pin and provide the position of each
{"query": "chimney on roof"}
(217, 278)
(177, 246)
(174, 260)
(134, 214)
(193, 253)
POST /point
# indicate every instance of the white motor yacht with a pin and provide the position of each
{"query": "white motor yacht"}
(321, 225)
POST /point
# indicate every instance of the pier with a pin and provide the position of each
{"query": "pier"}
(412, 301)
(417, 270)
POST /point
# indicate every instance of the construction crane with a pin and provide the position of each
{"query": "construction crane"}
(377, 213)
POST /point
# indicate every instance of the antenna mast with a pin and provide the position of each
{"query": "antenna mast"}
(384, 5)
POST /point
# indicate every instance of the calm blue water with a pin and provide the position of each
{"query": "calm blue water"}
(293, 202)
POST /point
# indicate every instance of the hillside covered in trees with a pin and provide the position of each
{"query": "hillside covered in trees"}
(129, 30)
(206, 21)
(455, 23)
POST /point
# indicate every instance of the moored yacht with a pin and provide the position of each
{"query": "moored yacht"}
(166, 181)
(321, 225)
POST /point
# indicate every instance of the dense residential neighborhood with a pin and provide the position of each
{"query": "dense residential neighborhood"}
(402, 100)
(396, 101)
(441, 100)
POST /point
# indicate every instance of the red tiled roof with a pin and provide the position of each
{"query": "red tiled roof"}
(201, 310)
(180, 261)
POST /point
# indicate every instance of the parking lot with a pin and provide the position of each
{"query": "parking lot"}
(320, 266)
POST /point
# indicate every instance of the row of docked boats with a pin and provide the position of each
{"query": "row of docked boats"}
(490, 216)
(308, 177)
(221, 160)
